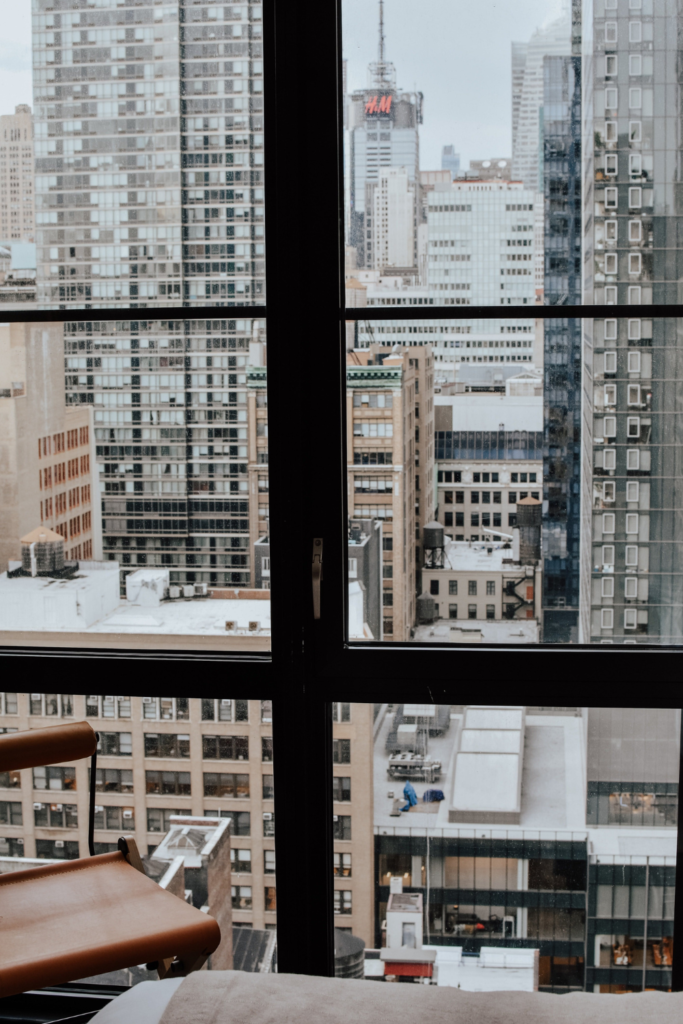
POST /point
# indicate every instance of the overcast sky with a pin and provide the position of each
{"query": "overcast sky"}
(456, 52)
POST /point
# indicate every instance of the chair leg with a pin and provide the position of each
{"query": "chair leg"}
(171, 968)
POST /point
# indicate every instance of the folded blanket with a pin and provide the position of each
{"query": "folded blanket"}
(236, 997)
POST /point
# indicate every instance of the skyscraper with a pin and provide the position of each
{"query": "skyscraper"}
(148, 167)
(450, 161)
(149, 178)
(17, 220)
(383, 133)
(527, 95)
(562, 343)
(631, 585)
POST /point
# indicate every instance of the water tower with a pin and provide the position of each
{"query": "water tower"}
(42, 553)
(433, 543)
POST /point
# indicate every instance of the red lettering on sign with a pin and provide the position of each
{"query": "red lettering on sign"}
(385, 105)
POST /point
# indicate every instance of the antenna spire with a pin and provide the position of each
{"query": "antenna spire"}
(381, 31)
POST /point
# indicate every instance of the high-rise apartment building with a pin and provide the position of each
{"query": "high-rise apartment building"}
(17, 209)
(527, 95)
(149, 165)
(631, 589)
(170, 422)
(163, 756)
(393, 230)
(562, 342)
(47, 474)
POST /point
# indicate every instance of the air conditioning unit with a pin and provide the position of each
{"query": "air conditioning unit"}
(188, 590)
(108, 698)
(20, 842)
(254, 626)
(173, 592)
(231, 625)
(59, 844)
(225, 703)
(99, 810)
(37, 807)
(56, 807)
(201, 589)
(267, 815)
(147, 700)
(128, 814)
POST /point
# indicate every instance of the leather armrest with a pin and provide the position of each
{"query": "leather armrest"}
(38, 747)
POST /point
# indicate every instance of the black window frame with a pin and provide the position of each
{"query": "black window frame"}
(311, 660)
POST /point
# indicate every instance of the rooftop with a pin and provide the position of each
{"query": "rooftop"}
(478, 631)
(493, 410)
(469, 556)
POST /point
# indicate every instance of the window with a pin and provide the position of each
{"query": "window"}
(631, 555)
(635, 197)
(116, 818)
(609, 460)
(266, 711)
(610, 31)
(633, 426)
(453, 587)
(226, 748)
(11, 813)
(635, 131)
(611, 260)
(56, 849)
(225, 784)
(635, 231)
(490, 587)
(341, 826)
(107, 707)
(240, 861)
(114, 780)
(472, 588)
(608, 522)
(225, 710)
(490, 611)
(611, 99)
(610, 425)
(607, 586)
(474, 497)
(343, 901)
(607, 618)
(269, 862)
(168, 782)
(266, 748)
(632, 490)
(166, 708)
(268, 824)
(241, 897)
(54, 778)
(610, 362)
(342, 865)
(634, 265)
(341, 788)
(452, 611)
(632, 459)
(434, 587)
(611, 196)
(635, 31)
(166, 745)
(341, 751)
(115, 744)
(631, 588)
(341, 712)
(471, 611)
(270, 899)
(159, 818)
(630, 618)
(9, 703)
(632, 522)
(634, 362)
(52, 704)
(268, 787)
(611, 64)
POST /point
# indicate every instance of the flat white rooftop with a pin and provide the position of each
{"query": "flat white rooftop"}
(488, 779)
(468, 556)
(476, 411)
(479, 631)
(192, 615)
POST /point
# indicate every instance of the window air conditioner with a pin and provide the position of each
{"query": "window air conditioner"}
(335, 817)
(20, 842)
(225, 703)
(99, 810)
(59, 844)
(108, 698)
(37, 807)
(56, 807)
(267, 815)
(147, 700)
(128, 814)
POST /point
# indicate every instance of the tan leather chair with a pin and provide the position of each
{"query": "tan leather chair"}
(67, 921)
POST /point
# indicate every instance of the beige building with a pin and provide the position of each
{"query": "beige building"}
(17, 201)
(474, 496)
(164, 756)
(47, 453)
(390, 453)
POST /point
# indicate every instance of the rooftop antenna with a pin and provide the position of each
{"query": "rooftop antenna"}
(381, 32)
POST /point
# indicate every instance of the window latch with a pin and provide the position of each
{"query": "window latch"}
(317, 574)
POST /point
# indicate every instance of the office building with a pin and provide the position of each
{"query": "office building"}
(488, 449)
(149, 169)
(527, 95)
(165, 756)
(17, 209)
(562, 343)
(497, 168)
(392, 229)
(631, 589)
(383, 132)
(450, 161)
(570, 850)
(47, 479)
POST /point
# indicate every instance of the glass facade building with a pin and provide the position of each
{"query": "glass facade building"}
(632, 587)
(562, 347)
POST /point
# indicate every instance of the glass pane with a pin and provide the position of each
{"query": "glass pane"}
(496, 845)
(140, 455)
(137, 179)
(165, 805)
(512, 483)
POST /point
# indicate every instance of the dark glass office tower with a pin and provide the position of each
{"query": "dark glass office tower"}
(632, 507)
(562, 347)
